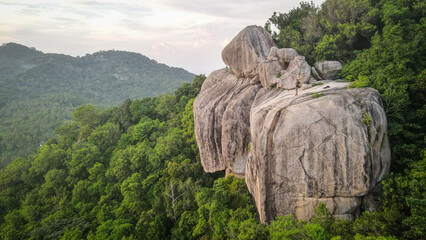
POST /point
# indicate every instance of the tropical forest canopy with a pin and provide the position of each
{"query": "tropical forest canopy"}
(39, 92)
(133, 171)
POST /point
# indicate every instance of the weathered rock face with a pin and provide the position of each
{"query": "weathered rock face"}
(268, 72)
(328, 144)
(328, 69)
(315, 74)
(247, 50)
(221, 113)
(273, 54)
(287, 55)
(308, 150)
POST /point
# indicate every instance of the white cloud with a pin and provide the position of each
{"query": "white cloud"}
(182, 33)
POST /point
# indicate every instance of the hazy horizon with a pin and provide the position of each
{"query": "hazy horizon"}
(189, 35)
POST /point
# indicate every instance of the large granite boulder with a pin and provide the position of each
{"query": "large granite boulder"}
(325, 145)
(328, 69)
(222, 128)
(247, 50)
(328, 144)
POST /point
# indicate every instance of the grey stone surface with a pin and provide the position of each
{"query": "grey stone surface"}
(255, 80)
(286, 55)
(273, 54)
(315, 74)
(306, 86)
(312, 80)
(298, 69)
(305, 150)
(221, 114)
(269, 72)
(246, 50)
(328, 69)
(327, 144)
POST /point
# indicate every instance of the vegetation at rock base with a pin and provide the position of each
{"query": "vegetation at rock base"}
(39, 92)
(133, 171)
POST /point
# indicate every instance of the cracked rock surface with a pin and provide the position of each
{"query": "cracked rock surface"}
(247, 50)
(327, 144)
(222, 112)
(308, 150)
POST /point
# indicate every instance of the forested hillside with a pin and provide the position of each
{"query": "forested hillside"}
(38, 91)
(133, 171)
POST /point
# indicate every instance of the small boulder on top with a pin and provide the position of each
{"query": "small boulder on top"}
(286, 55)
(328, 69)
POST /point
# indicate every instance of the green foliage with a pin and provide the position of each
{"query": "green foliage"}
(315, 231)
(361, 82)
(145, 128)
(251, 229)
(405, 195)
(362, 237)
(366, 119)
(327, 47)
(75, 234)
(317, 84)
(107, 175)
(39, 92)
(380, 225)
(225, 211)
(317, 95)
(332, 31)
(323, 217)
(286, 228)
(394, 65)
(134, 171)
(382, 44)
(95, 181)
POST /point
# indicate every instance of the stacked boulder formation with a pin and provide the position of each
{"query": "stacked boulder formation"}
(327, 144)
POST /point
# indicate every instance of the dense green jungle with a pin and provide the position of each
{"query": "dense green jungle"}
(39, 92)
(133, 171)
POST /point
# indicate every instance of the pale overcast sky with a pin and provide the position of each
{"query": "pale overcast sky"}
(181, 33)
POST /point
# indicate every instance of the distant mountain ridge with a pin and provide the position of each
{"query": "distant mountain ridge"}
(40, 90)
(142, 76)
